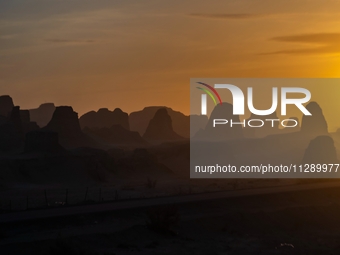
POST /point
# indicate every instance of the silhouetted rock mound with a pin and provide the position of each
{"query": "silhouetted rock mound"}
(43, 114)
(321, 150)
(175, 156)
(32, 126)
(116, 153)
(291, 123)
(3, 120)
(65, 122)
(10, 138)
(42, 141)
(6, 105)
(98, 163)
(197, 122)
(115, 135)
(27, 125)
(231, 130)
(269, 127)
(15, 118)
(141, 163)
(139, 120)
(105, 118)
(25, 116)
(316, 123)
(160, 128)
(11, 130)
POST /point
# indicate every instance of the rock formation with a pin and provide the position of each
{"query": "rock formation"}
(222, 132)
(115, 135)
(142, 163)
(15, 118)
(269, 127)
(6, 105)
(321, 150)
(13, 128)
(197, 122)
(65, 122)
(139, 120)
(316, 123)
(42, 141)
(27, 125)
(160, 128)
(105, 118)
(43, 114)
(25, 116)
(292, 123)
(10, 138)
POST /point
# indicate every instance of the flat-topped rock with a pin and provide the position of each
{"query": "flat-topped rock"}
(64, 121)
(43, 114)
(6, 105)
(104, 118)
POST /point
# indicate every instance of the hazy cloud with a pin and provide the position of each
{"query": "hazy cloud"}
(7, 37)
(328, 43)
(54, 40)
(310, 38)
(227, 16)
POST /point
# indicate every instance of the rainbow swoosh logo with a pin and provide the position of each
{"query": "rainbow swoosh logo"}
(209, 90)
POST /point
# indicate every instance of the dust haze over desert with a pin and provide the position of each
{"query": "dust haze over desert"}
(99, 127)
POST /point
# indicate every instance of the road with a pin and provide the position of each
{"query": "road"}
(134, 204)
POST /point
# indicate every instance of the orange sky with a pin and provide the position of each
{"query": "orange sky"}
(131, 54)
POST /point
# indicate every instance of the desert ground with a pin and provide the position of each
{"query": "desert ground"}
(294, 222)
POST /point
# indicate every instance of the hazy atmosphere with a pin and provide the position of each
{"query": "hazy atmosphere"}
(93, 54)
(114, 139)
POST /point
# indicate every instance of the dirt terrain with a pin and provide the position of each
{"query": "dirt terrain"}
(297, 222)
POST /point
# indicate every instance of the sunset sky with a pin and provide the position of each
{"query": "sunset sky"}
(132, 54)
